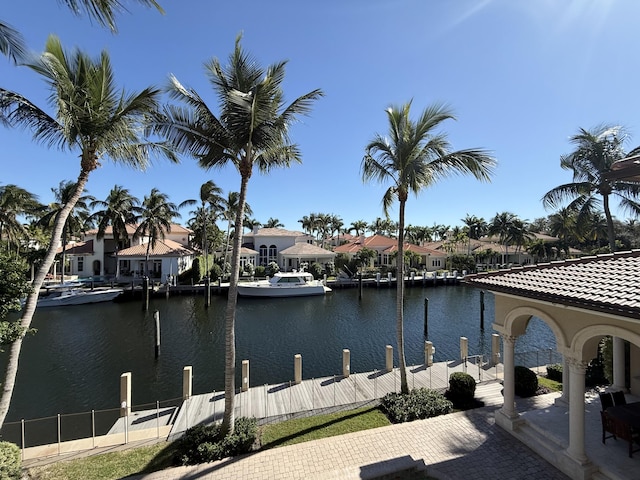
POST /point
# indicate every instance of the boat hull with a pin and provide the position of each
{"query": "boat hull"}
(266, 290)
(79, 297)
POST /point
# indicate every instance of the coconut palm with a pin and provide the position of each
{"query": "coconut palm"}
(12, 42)
(502, 226)
(15, 202)
(155, 219)
(229, 212)
(596, 151)
(212, 204)
(118, 210)
(92, 116)
(273, 223)
(77, 221)
(359, 227)
(411, 158)
(252, 130)
(475, 228)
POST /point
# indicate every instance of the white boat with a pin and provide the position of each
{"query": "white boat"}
(284, 284)
(62, 297)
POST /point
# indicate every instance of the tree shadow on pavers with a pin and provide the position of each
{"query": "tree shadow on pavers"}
(217, 397)
(154, 416)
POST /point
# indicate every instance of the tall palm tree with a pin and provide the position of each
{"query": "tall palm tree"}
(475, 228)
(211, 197)
(502, 226)
(78, 218)
(359, 227)
(411, 158)
(15, 202)
(155, 219)
(118, 210)
(229, 212)
(93, 117)
(12, 42)
(596, 151)
(252, 130)
(273, 223)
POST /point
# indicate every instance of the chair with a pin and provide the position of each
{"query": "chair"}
(619, 398)
(606, 400)
(608, 426)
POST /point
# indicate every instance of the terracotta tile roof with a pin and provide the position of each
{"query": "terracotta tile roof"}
(415, 248)
(165, 247)
(78, 248)
(175, 228)
(604, 283)
(274, 232)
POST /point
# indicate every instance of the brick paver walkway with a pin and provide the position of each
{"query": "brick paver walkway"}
(463, 445)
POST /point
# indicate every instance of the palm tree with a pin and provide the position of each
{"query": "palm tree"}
(250, 223)
(12, 42)
(92, 116)
(229, 212)
(273, 223)
(502, 226)
(359, 226)
(15, 202)
(156, 217)
(211, 195)
(475, 228)
(78, 218)
(251, 131)
(596, 151)
(412, 158)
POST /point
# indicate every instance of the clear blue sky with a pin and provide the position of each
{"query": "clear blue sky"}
(522, 76)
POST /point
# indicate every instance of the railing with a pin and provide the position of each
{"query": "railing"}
(65, 433)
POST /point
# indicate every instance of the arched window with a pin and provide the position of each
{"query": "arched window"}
(263, 260)
(273, 254)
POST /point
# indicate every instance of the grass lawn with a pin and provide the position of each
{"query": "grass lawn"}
(553, 385)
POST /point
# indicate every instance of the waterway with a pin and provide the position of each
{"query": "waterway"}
(74, 362)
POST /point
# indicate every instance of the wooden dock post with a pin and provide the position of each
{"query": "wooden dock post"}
(187, 382)
(360, 286)
(429, 350)
(125, 394)
(346, 359)
(389, 358)
(426, 317)
(156, 320)
(297, 369)
(245, 375)
(495, 349)
(145, 294)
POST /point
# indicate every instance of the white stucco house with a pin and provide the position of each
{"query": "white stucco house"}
(289, 249)
(101, 257)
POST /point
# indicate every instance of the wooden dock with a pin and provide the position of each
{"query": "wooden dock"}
(273, 403)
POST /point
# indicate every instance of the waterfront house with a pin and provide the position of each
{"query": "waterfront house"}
(385, 247)
(289, 249)
(102, 257)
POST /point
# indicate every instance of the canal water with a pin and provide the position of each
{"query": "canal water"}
(74, 362)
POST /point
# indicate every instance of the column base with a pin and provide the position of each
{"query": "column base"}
(509, 422)
(576, 468)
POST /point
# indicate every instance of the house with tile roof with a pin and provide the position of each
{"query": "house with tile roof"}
(386, 247)
(291, 250)
(582, 301)
(102, 257)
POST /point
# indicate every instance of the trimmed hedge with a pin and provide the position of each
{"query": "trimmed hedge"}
(418, 404)
(526, 381)
(10, 461)
(554, 372)
(203, 443)
(462, 388)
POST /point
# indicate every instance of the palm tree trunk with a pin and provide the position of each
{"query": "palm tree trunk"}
(228, 420)
(404, 385)
(32, 299)
(610, 231)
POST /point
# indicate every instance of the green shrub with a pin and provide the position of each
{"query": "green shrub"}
(316, 270)
(418, 404)
(526, 381)
(10, 461)
(215, 272)
(554, 372)
(203, 443)
(272, 269)
(260, 271)
(462, 388)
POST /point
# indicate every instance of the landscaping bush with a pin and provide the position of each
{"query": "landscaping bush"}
(272, 269)
(418, 404)
(215, 272)
(10, 461)
(316, 270)
(260, 271)
(554, 372)
(526, 382)
(462, 388)
(203, 443)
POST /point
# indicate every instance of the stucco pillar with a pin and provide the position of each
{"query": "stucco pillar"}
(618, 364)
(577, 369)
(187, 382)
(509, 406)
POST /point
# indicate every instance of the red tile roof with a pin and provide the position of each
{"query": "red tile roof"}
(164, 247)
(604, 283)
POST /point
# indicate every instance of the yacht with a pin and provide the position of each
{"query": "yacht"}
(284, 284)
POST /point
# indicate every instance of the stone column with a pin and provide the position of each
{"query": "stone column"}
(187, 382)
(509, 406)
(464, 348)
(563, 399)
(577, 369)
(618, 364)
